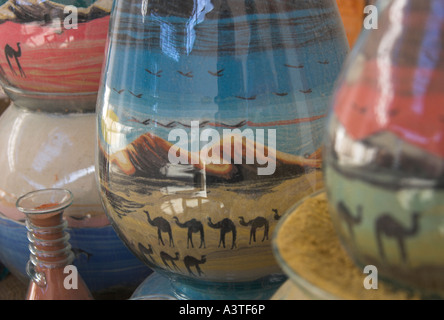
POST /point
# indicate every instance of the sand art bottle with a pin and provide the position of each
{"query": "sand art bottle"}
(53, 277)
(384, 152)
(210, 122)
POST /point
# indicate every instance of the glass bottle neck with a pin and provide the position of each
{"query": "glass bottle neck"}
(48, 241)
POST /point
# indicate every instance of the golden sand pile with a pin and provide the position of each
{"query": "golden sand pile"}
(308, 244)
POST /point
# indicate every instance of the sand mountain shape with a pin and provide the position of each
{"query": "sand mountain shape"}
(148, 154)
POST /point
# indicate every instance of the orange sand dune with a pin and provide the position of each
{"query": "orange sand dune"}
(150, 152)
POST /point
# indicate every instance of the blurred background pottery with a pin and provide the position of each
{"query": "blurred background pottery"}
(210, 122)
(51, 72)
(384, 149)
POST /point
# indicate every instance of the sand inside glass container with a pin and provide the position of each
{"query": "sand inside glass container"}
(307, 243)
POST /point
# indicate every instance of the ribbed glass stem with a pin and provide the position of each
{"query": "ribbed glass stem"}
(48, 240)
(47, 252)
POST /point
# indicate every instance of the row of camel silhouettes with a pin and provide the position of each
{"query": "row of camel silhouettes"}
(385, 226)
(167, 259)
(225, 226)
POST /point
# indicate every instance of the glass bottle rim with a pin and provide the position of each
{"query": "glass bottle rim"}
(44, 201)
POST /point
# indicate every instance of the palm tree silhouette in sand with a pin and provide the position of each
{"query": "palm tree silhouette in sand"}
(16, 54)
(391, 228)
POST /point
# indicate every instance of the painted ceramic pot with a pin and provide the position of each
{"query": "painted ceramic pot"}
(47, 136)
(210, 122)
(385, 148)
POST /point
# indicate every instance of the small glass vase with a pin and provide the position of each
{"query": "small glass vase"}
(53, 277)
(384, 150)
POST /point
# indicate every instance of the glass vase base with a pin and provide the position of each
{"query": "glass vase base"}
(159, 287)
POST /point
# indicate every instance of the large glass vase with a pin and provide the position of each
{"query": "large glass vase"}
(210, 121)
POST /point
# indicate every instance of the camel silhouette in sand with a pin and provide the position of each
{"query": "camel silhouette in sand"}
(167, 258)
(162, 225)
(225, 226)
(276, 215)
(347, 216)
(10, 53)
(257, 222)
(193, 226)
(388, 226)
(146, 252)
(190, 261)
